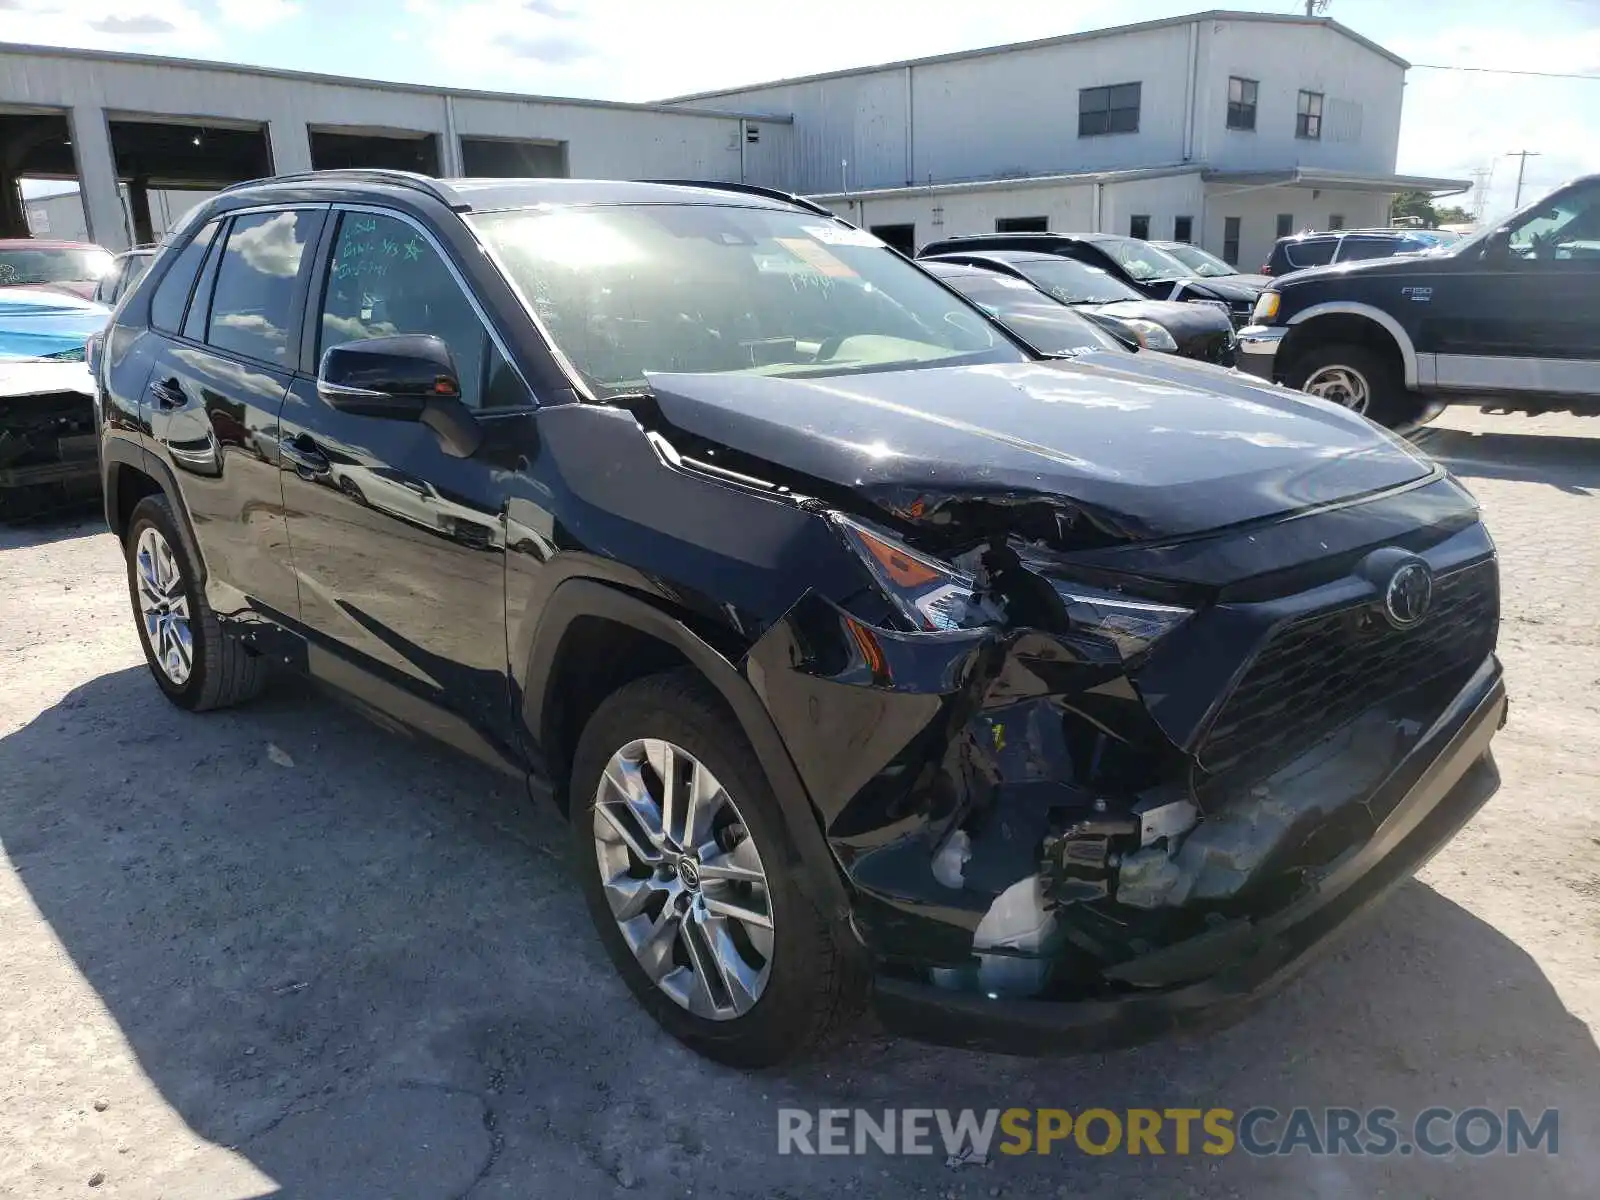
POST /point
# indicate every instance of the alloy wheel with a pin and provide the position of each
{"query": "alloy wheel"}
(683, 879)
(164, 606)
(1343, 385)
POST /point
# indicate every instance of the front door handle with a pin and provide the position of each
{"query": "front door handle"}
(302, 454)
(168, 394)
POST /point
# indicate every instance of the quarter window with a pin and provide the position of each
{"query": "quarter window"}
(252, 305)
(1242, 102)
(1308, 116)
(385, 278)
(1103, 110)
(1312, 252)
(172, 293)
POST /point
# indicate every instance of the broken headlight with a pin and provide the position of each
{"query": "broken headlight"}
(993, 586)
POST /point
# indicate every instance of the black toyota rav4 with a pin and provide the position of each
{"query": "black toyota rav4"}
(1048, 705)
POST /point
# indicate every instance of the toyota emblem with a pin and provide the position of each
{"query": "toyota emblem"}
(1410, 591)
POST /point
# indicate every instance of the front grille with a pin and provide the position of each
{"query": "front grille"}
(1320, 672)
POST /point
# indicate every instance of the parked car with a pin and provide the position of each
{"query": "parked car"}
(1150, 271)
(1207, 265)
(1201, 331)
(1051, 329)
(1512, 316)
(47, 430)
(1047, 704)
(74, 267)
(1303, 250)
(123, 274)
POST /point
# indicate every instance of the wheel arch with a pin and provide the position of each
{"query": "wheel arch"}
(1348, 321)
(130, 474)
(583, 613)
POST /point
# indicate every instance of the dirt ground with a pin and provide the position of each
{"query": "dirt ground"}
(277, 951)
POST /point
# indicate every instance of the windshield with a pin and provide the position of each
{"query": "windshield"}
(696, 287)
(1073, 282)
(1041, 322)
(1201, 262)
(1144, 262)
(52, 266)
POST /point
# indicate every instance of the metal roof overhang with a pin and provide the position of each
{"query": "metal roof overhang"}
(1344, 181)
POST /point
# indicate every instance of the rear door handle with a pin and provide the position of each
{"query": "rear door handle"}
(302, 454)
(168, 394)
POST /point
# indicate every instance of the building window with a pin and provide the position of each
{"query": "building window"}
(1285, 224)
(1022, 225)
(1139, 226)
(1336, 221)
(1183, 229)
(902, 237)
(1230, 240)
(1113, 109)
(1242, 102)
(1308, 116)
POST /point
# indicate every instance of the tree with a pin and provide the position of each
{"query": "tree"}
(1420, 205)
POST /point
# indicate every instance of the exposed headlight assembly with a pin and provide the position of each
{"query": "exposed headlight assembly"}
(935, 596)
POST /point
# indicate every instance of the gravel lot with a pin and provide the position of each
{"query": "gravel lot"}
(278, 951)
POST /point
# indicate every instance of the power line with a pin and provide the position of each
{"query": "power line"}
(1505, 71)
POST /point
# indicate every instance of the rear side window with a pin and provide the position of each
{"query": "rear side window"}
(252, 305)
(1313, 252)
(1369, 247)
(172, 293)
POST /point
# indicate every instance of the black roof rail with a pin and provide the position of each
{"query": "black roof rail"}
(410, 179)
(749, 189)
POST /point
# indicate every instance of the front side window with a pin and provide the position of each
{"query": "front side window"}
(1242, 103)
(1074, 282)
(1103, 110)
(172, 293)
(252, 305)
(384, 279)
(1202, 262)
(623, 292)
(1564, 228)
(1308, 116)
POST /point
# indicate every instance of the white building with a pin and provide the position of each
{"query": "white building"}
(1227, 129)
(1222, 128)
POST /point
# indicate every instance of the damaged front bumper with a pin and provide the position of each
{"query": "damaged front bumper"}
(47, 428)
(1036, 867)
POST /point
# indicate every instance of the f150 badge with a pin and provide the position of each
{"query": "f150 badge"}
(1420, 294)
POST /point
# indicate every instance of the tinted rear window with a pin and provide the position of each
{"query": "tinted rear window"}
(172, 294)
(1372, 247)
(1313, 252)
(252, 307)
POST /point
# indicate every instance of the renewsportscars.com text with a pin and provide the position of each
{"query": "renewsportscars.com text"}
(1260, 1131)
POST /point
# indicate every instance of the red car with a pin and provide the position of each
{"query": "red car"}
(69, 266)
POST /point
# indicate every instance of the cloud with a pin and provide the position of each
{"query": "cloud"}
(548, 8)
(553, 48)
(133, 26)
(167, 25)
(257, 14)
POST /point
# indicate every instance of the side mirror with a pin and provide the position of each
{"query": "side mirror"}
(408, 377)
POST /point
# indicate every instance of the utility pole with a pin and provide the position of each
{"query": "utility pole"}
(1315, 8)
(1524, 155)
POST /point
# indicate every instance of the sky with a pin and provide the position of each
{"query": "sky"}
(1455, 122)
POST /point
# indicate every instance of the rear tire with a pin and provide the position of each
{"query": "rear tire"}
(805, 986)
(195, 664)
(1357, 377)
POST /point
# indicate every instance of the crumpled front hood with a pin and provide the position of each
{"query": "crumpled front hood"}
(1143, 446)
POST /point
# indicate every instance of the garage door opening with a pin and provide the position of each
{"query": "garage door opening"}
(511, 158)
(167, 167)
(387, 151)
(39, 178)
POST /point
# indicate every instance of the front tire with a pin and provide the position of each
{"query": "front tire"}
(195, 664)
(1359, 378)
(682, 856)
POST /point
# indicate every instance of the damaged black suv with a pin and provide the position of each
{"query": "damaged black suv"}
(1048, 705)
